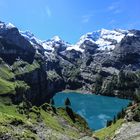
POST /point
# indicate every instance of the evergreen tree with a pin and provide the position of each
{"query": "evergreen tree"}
(118, 115)
(69, 110)
(114, 120)
(67, 102)
(122, 113)
(108, 123)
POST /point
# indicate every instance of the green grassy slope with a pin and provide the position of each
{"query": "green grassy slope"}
(108, 132)
(29, 121)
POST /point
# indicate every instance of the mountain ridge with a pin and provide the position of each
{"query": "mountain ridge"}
(95, 37)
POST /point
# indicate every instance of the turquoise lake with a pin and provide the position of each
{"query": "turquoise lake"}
(95, 109)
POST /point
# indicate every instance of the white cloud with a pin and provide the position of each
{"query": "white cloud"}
(86, 18)
(48, 11)
(114, 8)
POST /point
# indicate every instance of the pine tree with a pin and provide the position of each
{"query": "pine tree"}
(122, 113)
(114, 120)
(69, 110)
(67, 102)
(118, 115)
(108, 123)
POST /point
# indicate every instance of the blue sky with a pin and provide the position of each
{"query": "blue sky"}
(70, 18)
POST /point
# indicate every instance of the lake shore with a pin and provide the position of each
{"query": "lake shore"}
(77, 91)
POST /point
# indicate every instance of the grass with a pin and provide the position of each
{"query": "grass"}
(59, 124)
(6, 87)
(10, 116)
(51, 121)
(10, 111)
(7, 83)
(80, 123)
(108, 132)
(22, 85)
(5, 72)
(22, 67)
(62, 123)
(52, 75)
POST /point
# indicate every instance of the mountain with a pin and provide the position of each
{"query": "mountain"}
(105, 62)
(103, 55)
(105, 39)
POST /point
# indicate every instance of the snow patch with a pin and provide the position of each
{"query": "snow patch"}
(56, 38)
(105, 39)
(30, 37)
(47, 46)
(75, 47)
(10, 25)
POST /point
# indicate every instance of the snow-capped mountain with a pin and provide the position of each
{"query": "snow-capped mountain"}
(6, 26)
(11, 33)
(105, 39)
(55, 43)
(49, 45)
(31, 37)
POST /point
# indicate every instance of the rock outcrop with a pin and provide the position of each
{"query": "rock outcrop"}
(128, 131)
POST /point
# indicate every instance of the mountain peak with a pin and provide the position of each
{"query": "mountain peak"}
(10, 25)
(104, 38)
(56, 38)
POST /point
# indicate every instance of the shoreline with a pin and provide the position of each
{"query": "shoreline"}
(78, 91)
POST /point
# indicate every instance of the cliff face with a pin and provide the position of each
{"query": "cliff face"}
(21, 59)
(113, 73)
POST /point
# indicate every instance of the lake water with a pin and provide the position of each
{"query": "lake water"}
(95, 109)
